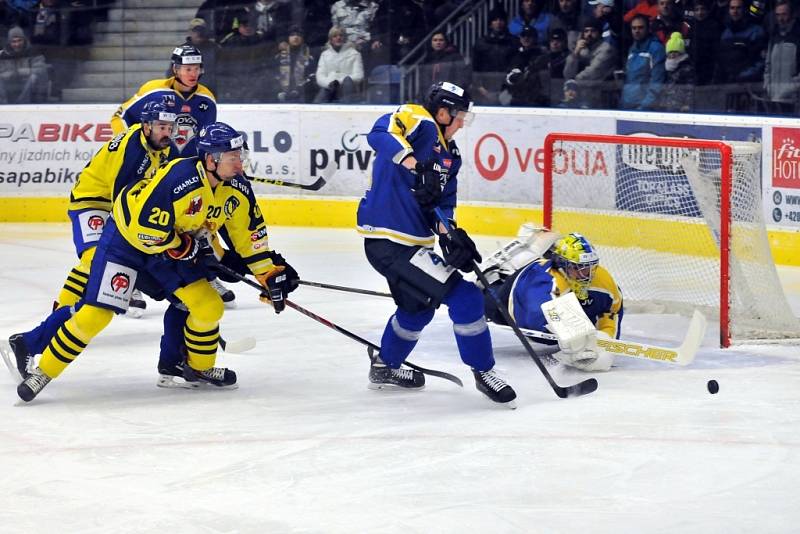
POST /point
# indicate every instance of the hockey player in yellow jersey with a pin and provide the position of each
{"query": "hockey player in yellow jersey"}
(131, 156)
(183, 94)
(194, 105)
(160, 228)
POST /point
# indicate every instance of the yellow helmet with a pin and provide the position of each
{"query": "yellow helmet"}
(577, 260)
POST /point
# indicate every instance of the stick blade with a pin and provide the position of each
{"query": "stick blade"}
(238, 346)
(576, 390)
(694, 338)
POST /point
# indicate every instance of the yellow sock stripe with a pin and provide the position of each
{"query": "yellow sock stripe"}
(60, 346)
(201, 342)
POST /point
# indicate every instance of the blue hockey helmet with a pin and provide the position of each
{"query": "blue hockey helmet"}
(218, 137)
(156, 111)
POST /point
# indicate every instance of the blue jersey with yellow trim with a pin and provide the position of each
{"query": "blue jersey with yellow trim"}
(193, 111)
(540, 282)
(388, 209)
(152, 214)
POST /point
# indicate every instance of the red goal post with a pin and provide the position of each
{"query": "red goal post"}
(678, 222)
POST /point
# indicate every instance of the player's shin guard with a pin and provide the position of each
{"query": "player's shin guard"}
(75, 284)
(70, 340)
(401, 335)
(201, 333)
(465, 306)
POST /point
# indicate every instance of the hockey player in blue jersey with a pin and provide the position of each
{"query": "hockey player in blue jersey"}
(415, 170)
(540, 266)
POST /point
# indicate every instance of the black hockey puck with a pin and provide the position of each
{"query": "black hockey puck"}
(713, 387)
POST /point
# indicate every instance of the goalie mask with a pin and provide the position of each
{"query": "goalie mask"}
(577, 261)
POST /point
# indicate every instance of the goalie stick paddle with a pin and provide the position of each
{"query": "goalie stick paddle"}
(581, 388)
(682, 355)
(329, 324)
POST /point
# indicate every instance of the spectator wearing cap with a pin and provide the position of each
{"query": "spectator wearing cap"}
(782, 68)
(741, 48)
(523, 86)
(566, 16)
(339, 70)
(294, 68)
(593, 60)
(491, 57)
(678, 92)
(704, 35)
(23, 71)
(668, 21)
(200, 37)
(572, 98)
(551, 71)
(644, 71)
(443, 63)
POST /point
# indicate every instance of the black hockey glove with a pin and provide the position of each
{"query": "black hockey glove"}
(292, 278)
(428, 189)
(189, 249)
(459, 250)
(278, 282)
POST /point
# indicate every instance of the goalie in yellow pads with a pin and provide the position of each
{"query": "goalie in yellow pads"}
(540, 266)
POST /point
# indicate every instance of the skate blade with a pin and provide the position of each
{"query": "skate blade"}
(8, 354)
(134, 313)
(176, 382)
(392, 387)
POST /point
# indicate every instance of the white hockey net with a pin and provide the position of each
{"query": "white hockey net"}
(654, 213)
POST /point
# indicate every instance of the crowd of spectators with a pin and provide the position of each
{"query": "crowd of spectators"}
(666, 55)
(44, 41)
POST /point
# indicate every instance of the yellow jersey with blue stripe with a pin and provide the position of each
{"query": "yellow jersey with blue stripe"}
(125, 159)
(179, 199)
(193, 110)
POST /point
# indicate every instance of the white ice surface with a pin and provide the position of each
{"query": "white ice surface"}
(304, 446)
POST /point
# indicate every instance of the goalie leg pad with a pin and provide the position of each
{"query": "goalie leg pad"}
(465, 307)
(567, 320)
(401, 335)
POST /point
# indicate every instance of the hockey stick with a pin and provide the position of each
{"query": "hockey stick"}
(307, 313)
(237, 345)
(345, 289)
(581, 388)
(371, 347)
(681, 355)
(316, 186)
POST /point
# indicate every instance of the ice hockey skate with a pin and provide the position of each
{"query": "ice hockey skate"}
(32, 385)
(490, 384)
(381, 376)
(228, 296)
(137, 305)
(175, 377)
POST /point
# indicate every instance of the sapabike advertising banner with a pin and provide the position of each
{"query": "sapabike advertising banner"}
(42, 149)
